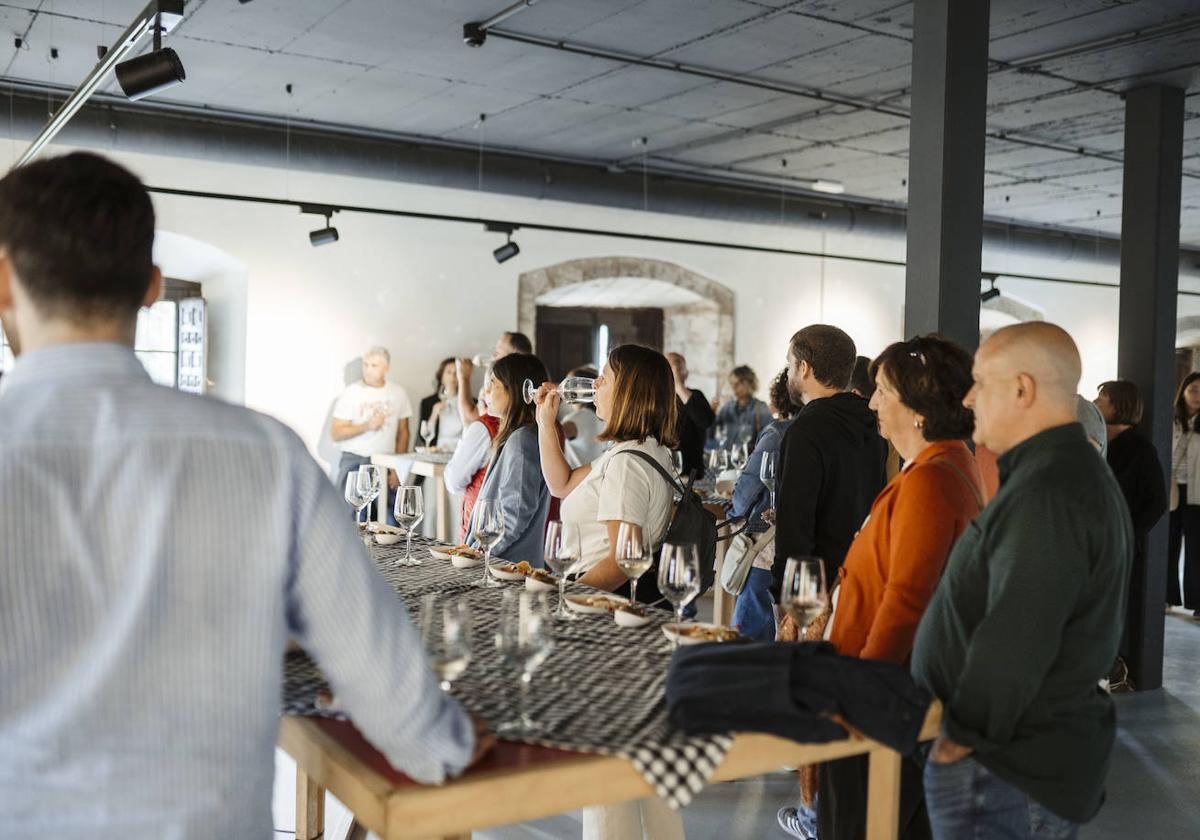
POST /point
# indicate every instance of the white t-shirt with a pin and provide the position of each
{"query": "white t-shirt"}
(358, 402)
(584, 448)
(620, 487)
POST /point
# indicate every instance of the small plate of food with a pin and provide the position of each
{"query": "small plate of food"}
(698, 632)
(539, 580)
(594, 604)
(511, 571)
(387, 538)
(462, 556)
(631, 615)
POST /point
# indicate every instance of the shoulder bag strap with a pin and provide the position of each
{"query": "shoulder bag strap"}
(967, 481)
(675, 485)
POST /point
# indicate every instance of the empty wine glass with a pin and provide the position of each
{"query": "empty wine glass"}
(446, 633)
(353, 496)
(767, 472)
(721, 435)
(803, 595)
(561, 551)
(718, 459)
(488, 529)
(634, 554)
(573, 389)
(677, 461)
(370, 485)
(426, 432)
(739, 456)
(524, 640)
(409, 510)
(679, 576)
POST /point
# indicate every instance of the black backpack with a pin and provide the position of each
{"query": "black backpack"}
(690, 523)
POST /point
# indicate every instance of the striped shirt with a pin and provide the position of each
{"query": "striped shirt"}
(156, 550)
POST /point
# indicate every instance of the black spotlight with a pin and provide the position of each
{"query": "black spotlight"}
(327, 234)
(506, 251)
(474, 35)
(993, 292)
(323, 236)
(150, 73)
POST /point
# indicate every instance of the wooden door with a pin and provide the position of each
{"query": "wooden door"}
(570, 337)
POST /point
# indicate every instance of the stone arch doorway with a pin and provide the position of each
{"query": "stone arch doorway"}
(697, 311)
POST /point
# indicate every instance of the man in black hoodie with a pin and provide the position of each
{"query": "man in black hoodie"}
(831, 462)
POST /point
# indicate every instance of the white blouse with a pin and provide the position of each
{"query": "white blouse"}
(620, 487)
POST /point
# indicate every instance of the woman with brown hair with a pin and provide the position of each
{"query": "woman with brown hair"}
(635, 397)
(1185, 498)
(513, 475)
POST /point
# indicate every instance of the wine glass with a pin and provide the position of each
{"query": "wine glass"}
(446, 633)
(352, 495)
(524, 640)
(767, 472)
(634, 554)
(803, 595)
(679, 576)
(426, 432)
(739, 456)
(409, 510)
(721, 435)
(561, 551)
(573, 389)
(370, 485)
(677, 462)
(488, 529)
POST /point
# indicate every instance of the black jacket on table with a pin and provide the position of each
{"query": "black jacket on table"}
(695, 416)
(831, 467)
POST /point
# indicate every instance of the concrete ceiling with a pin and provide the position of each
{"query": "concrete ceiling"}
(1055, 114)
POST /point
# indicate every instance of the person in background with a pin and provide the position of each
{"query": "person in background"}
(635, 397)
(370, 418)
(507, 344)
(514, 475)
(468, 465)
(581, 427)
(896, 560)
(831, 460)
(1026, 619)
(140, 647)
(1134, 462)
(1092, 420)
(440, 409)
(754, 612)
(744, 416)
(1185, 499)
(861, 381)
(694, 414)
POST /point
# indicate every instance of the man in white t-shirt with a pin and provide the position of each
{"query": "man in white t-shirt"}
(370, 417)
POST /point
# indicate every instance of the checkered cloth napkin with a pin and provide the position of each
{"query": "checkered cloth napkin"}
(600, 691)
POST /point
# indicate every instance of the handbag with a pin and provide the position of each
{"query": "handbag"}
(739, 558)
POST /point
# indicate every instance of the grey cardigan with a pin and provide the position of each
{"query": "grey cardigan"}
(516, 480)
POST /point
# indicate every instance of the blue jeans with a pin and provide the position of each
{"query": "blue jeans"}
(966, 800)
(754, 613)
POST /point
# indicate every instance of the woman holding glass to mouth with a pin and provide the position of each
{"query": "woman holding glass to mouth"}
(635, 397)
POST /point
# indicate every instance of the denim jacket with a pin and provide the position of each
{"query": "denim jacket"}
(516, 479)
(750, 495)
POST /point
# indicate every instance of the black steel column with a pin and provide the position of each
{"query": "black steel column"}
(945, 169)
(1146, 339)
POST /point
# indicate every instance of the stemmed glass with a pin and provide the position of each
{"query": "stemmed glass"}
(634, 554)
(718, 459)
(488, 529)
(677, 462)
(524, 640)
(354, 496)
(679, 577)
(426, 432)
(739, 456)
(573, 389)
(766, 473)
(368, 484)
(803, 595)
(721, 435)
(409, 510)
(561, 551)
(446, 632)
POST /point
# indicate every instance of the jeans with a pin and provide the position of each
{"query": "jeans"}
(1185, 534)
(754, 613)
(966, 800)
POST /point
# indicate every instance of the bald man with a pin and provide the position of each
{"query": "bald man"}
(1028, 614)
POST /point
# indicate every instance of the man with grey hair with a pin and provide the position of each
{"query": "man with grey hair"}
(370, 417)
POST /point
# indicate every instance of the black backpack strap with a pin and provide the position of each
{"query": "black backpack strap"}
(675, 485)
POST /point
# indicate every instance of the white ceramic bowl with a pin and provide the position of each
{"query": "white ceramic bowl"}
(580, 605)
(439, 554)
(387, 539)
(625, 618)
(464, 562)
(502, 574)
(671, 631)
(535, 585)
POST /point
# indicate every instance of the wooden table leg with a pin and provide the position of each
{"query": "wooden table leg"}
(443, 507)
(883, 795)
(310, 807)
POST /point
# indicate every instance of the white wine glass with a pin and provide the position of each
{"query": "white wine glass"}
(488, 529)
(739, 456)
(803, 595)
(679, 576)
(409, 510)
(767, 472)
(426, 432)
(634, 554)
(524, 639)
(446, 633)
(573, 389)
(561, 551)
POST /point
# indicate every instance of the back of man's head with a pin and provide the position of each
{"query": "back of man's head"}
(519, 342)
(829, 351)
(78, 232)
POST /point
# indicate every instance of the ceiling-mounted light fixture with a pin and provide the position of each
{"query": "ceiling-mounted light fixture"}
(991, 293)
(475, 32)
(834, 187)
(153, 72)
(509, 249)
(326, 235)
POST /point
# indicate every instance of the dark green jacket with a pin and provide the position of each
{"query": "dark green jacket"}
(1027, 619)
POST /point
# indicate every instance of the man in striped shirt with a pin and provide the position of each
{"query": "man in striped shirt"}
(141, 633)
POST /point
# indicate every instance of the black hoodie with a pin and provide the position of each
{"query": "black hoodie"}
(831, 468)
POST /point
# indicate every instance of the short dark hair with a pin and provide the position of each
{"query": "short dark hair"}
(861, 381)
(79, 231)
(781, 396)
(746, 374)
(932, 375)
(520, 343)
(830, 353)
(1126, 400)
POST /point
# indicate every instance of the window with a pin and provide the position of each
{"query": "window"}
(157, 344)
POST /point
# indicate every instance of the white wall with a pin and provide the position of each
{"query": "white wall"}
(430, 289)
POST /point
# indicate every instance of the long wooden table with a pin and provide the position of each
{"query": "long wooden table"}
(517, 783)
